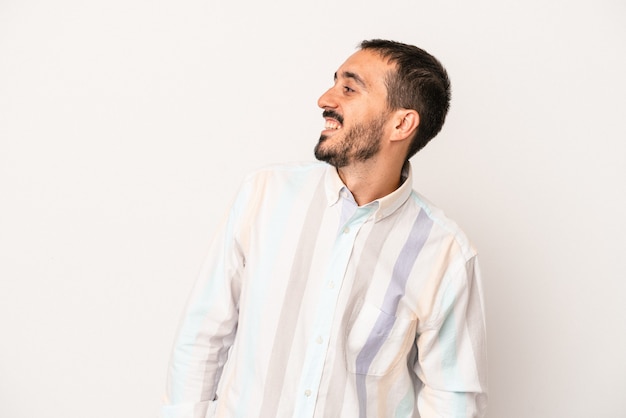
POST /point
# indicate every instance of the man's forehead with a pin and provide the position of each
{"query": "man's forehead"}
(365, 67)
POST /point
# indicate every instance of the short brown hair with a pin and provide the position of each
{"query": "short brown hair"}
(420, 82)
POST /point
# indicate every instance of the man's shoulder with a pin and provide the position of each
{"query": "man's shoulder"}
(444, 223)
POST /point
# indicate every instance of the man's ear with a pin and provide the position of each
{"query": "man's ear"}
(406, 123)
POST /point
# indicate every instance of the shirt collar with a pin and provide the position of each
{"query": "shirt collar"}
(386, 205)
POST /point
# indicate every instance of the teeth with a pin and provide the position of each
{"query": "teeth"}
(331, 124)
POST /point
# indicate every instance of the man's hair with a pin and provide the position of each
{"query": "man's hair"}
(420, 83)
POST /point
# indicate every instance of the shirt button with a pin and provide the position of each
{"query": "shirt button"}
(307, 393)
(346, 230)
(331, 285)
(319, 340)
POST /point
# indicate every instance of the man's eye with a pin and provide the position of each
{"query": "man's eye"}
(347, 89)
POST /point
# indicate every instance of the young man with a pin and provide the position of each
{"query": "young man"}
(333, 289)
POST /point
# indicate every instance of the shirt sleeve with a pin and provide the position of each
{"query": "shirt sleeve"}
(452, 360)
(207, 328)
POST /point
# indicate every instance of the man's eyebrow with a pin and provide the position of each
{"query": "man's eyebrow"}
(354, 76)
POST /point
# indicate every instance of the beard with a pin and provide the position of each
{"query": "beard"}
(359, 144)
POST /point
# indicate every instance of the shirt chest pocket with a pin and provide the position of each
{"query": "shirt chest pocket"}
(376, 341)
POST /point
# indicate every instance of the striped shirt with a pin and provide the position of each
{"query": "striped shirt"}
(311, 306)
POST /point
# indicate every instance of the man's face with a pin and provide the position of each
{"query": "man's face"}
(355, 111)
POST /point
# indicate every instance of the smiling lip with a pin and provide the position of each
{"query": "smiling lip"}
(334, 121)
(331, 124)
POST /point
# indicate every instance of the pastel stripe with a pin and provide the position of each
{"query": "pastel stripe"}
(291, 306)
(402, 268)
(278, 227)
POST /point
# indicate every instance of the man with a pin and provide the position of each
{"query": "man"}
(333, 289)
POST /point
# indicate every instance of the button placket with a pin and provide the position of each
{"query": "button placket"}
(318, 346)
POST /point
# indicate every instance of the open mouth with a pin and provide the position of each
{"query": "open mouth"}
(332, 125)
(333, 120)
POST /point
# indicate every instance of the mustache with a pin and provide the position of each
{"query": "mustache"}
(334, 115)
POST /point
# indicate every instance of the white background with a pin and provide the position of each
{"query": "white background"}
(125, 126)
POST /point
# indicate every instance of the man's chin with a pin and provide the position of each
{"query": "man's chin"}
(321, 155)
(329, 158)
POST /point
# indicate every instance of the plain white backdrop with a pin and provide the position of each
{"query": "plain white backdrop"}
(126, 125)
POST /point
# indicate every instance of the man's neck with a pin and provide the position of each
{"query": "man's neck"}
(371, 180)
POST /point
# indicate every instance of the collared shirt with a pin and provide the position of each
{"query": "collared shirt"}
(311, 306)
